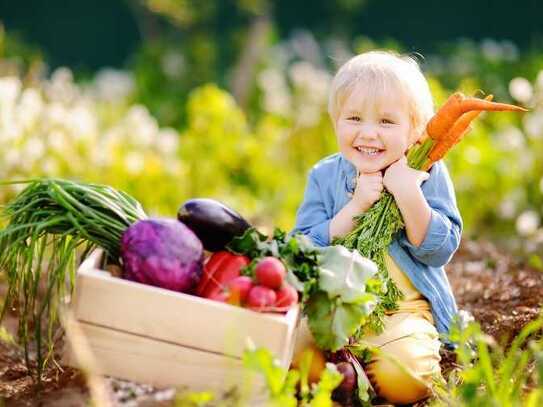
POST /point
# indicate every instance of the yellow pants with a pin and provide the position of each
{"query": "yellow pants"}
(403, 370)
(408, 359)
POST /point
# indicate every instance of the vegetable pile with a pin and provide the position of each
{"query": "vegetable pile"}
(53, 224)
(264, 290)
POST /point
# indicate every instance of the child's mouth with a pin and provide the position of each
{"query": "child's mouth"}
(369, 151)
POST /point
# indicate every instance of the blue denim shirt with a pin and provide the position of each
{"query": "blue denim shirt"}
(332, 180)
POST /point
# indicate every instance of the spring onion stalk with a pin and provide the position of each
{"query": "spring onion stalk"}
(50, 225)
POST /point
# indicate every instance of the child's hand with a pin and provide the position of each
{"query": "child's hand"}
(369, 187)
(400, 178)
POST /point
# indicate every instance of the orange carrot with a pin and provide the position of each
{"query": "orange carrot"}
(458, 104)
(455, 134)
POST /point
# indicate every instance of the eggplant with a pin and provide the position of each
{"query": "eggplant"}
(214, 223)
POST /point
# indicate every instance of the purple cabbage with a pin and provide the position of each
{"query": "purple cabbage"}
(163, 253)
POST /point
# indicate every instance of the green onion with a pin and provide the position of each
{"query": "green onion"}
(49, 223)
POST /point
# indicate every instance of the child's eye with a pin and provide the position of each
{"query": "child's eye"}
(386, 121)
(354, 118)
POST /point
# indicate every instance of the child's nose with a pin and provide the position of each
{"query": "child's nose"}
(368, 131)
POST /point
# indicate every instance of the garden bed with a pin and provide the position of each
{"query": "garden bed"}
(502, 294)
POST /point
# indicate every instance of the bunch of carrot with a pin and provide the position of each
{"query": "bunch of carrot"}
(376, 228)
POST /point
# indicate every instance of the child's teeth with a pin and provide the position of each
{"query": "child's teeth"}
(370, 151)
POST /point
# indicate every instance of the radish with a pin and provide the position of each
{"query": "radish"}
(348, 384)
(270, 272)
(238, 289)
(286, 296)
(260, 297)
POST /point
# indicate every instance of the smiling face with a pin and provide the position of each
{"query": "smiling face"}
(373, 128)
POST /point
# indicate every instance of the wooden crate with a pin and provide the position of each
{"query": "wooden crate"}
(165, 338)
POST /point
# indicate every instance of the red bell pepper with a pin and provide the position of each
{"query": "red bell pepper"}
(222, 267)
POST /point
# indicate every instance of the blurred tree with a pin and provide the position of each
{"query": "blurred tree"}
(71, 31)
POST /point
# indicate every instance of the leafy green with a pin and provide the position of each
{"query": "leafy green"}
(322, 392)
(299, 255)
(332, 322)
(281, 384)
(337, 283)
(344, 273)
(342, 303)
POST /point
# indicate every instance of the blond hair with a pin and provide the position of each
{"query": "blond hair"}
(381, 71)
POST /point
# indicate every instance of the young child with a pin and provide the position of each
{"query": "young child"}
(380, 104)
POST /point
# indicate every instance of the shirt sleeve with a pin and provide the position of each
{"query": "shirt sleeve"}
(312, 218)
(444, 231)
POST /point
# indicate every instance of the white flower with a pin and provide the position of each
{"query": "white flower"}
(511, 138)
(271, 78)
(113, 85)
(507, 209)
(56, 140)
(533, 123)
(34, 148)
(472, 155)
(168, 141)
(30, 107)
(56, 115)
(276, 94)
(278, 102)
(521, 89)
(9, 131)
(527, 222)
(134, 163)
(50, 166)
(173, 65)
(61, 87)
(81, 122)
(10, 87)
(141, 126)
(308, 115)
(12, 157)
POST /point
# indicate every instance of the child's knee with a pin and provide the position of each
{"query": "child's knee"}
(403, 374)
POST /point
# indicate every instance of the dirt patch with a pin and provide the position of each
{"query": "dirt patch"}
(502, 293)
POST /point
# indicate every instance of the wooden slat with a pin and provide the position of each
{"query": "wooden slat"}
(178, 318)
(161, 364)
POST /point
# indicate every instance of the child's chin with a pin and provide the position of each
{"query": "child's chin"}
(368, 167)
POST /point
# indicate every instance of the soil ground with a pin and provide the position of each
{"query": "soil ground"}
(502, 293)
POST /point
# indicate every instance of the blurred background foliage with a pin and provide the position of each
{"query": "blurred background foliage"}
(173, 99)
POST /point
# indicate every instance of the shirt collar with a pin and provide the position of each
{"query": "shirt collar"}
(350, 173)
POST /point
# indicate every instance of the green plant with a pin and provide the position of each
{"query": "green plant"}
(492, 376)
(49, 223)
